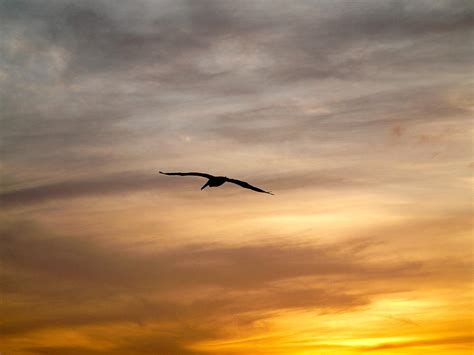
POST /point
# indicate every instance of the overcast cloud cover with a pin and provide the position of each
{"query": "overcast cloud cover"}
(356, 114)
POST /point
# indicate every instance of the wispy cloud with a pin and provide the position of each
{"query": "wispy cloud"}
(356, 114)
(197, 283)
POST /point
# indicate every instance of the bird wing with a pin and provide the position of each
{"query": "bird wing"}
(246, 185)
(190, 174)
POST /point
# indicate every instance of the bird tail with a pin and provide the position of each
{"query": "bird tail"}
(205, 185)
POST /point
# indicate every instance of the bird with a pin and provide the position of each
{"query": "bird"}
(214, 181)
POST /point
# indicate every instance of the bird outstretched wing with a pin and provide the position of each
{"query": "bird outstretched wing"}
(190, 174)
(246, 185)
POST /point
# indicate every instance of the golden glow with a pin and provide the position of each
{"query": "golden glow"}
(415, 321)
(357, 115)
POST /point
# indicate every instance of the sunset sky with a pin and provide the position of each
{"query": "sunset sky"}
(356, 114)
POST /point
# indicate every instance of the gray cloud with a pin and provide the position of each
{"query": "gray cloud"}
(99, 38)
(91, 87)
(121, 183)
(282, 123)
(129, 182)
(310, 40)
(80, 74)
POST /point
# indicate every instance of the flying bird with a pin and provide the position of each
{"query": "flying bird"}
(215, 181)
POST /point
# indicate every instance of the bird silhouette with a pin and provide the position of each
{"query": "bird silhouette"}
(215, 181)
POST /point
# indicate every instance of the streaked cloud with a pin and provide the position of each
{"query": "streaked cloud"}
(180, 288)
(356, 114)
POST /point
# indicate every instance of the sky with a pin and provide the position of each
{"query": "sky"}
(357, 115)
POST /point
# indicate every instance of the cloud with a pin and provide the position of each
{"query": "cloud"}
(367, 98)
(193, 283)
(124, 183)
(372, 113)
(463, 341)
(91, 81)
(119, 183)
(323, 40)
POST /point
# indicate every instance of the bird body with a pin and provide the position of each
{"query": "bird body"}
(215, 181)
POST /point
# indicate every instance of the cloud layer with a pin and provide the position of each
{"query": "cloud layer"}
(191, 291)
(356, 114)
